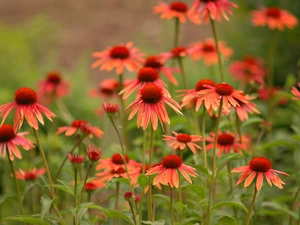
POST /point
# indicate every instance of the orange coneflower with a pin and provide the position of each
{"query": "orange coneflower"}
(260, 167)
(168, 171)
(181, 141)
(83, 126)
(227, 142)
(175, 10)
(107, 88)
(212, 9)
(244, 108)
(274, 18)
(296, 92)
(177, 52)
(119, 57)
(150, 105)
(9, 142)
(26, 108)
(30, 174)
(207, 50)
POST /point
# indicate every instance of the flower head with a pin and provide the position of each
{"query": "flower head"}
(260, 167)
(274, 18)
(181, 141)
(9, 142)
(52, 87)
(93, 185)
(175, 10)
(168, 171)
(175, 53)
(150, 105)
(212, 9)
(243, 109)
(226, 142)
(30, 174)
(145, 76)
(207, 50)
(107, 88)
(128, 196)
(110, 108)
(83, 126)
(26, 108)
(76, 160)
(94, 153)
(248, 70)
(119, 57)
(157, 62)
(296, 92)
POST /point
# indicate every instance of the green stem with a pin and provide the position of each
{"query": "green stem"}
(231, 188)
(186, 86)
(212, 22)
(171, 206)
(132, 209)
(176, 36)
(293, 203)
(16, 183)
(150, 197)
(271, 59)
(66, 157)
(238, 125)
(213, 163)
(85, 179)
(144, 152)
(252, 204)
(75, 195)
(64, 110)
(117, 200)
(203, 137)
(123, 117)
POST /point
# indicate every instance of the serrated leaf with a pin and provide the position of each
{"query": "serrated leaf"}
(225, 159)
(46, 204)
(157, 222)
(112, 213)
(143, 181)
(230, 203)
(28, 219)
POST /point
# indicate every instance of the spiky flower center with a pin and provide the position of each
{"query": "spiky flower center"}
(208, 48)
(6, 133)
(110, 108)
(119, 52)
(118, 159)
(147, 74)
(179, 7)
(172, 162)
(273, 12)
(153, 61)
(151, 93)
(76, 160)
(199, 85)
(184, 138)
(260, 164)
(25, 96)
(78, 123)
(224, 89)
(54, 78)
(225, 139)
(30, 176)
(177, 51)
(94, 156)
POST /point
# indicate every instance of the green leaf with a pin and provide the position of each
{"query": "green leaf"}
(188, 221)
(28, 219)
(143, 181)
(281, 208)
(112, 213)
(277, 143)
(85, 222)
(197, 189)
(251, 121)
(180, 206)
(202, 169)
(225, 220)
(81, 212)
(157, 222)
(116, 180)
(5, 197)
(163, 197)
(225, 159)
(90, 205)
(67, 187)
(230, 203)
(46, 204)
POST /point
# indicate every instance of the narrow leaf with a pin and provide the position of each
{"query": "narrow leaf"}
(46, 204)
(111, 213)
(28, 219)
(230, 203)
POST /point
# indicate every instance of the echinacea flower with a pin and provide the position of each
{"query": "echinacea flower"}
(265, 93)
(243, 109)
(157, 62)
(150, 105)
(9, 142)
(181, 141)
(274, 18)
(94, 153)
(175, 10)
(120, 56)
(76, 160)
(177, 52)
(296, 92)
(168, 171)
(193, 95)
(93, 185)
(259, 167)
(52, 87)
(107, 88)
(248, 70)
(26, 108)
(207, 50)
(145, 76)
(225, 92)
(212, 9)
(110, 108)
(227, 142)
(83, 126)
(30, 174)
